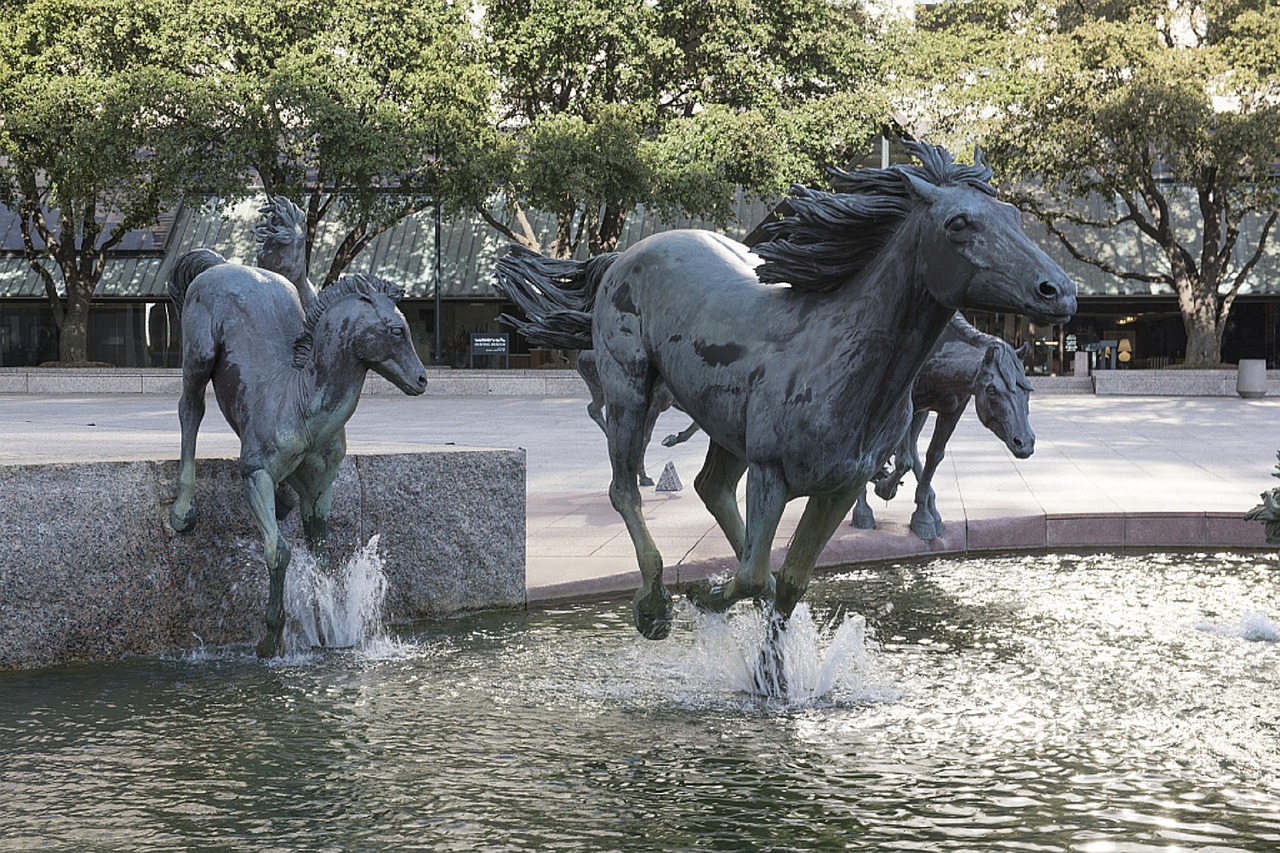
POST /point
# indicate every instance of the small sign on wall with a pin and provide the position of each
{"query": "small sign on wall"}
(490, 343)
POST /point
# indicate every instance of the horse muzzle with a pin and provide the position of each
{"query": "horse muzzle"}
(1021, 446)
(1055, 302)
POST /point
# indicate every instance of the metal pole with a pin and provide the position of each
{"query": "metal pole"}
(439, 356)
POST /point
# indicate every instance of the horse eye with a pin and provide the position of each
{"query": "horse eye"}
(398, 331)
(958, 223)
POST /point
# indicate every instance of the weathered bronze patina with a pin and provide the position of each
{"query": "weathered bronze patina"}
(965, 365)
(287, 381)
(798, 369)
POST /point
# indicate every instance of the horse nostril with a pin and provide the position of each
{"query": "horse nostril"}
(1017, 442)
(1048, 290)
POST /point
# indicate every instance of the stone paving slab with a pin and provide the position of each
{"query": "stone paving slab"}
(1108, 472)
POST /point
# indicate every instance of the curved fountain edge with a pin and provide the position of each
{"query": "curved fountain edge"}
(1138, 530)
(91, 570)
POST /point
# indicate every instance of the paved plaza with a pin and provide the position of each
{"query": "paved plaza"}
(1107, 472)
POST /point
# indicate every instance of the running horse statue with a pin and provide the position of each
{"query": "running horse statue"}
(799, 369)
(966, 364)
(660, 402)
(287, 381)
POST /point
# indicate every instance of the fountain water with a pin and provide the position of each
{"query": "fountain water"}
(1071, 702)
(343, 607)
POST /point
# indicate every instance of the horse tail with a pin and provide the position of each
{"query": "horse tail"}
(186, 268)
(556, 296)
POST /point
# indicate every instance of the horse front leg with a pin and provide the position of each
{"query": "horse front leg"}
(766, 499)
(312, 481)
(261, 491)
(863, 518)
(905, 458)
(680, 437)
(821, 517)
(926, 522)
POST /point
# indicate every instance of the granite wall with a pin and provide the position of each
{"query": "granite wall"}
(90, 569)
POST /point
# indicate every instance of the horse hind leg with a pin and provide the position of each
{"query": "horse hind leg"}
(658, 403)
(717, 485)
(197, 370)
(627, 392)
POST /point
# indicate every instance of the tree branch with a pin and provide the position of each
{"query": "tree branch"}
(1092, 261)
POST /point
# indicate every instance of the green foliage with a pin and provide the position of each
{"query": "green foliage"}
(675, 104)
(366, 111)
(1141, 103)
(98, 136)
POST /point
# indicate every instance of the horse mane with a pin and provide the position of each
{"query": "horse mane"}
(828, 238)
(349, 285)
(283, 228)
(1006, 354)
(184, 271)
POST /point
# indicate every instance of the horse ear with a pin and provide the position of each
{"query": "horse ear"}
(990, 355)
(920, 188)
(1023, 350)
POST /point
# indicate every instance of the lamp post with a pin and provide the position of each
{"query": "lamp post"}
(439, 356)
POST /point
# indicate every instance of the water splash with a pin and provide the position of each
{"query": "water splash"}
(337, 609)
(798, 665)
(1255, 626)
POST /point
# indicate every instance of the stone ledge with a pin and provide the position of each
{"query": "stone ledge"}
(1174, 383)
(168, 381)
(90, 569)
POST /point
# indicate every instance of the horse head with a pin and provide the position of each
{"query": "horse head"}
(281, 236)
(966, 248)
(972, 250)
(361, 312)
(1001, 393)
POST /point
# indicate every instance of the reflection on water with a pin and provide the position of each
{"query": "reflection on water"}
(1045, 703)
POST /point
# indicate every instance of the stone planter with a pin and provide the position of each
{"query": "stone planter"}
(1251, 377)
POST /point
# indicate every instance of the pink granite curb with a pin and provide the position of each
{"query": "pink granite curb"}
(1031, 533)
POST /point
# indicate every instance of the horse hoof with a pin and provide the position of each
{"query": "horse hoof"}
(646, 480)
(182, 522)
(925, 529)
(652, 613)
(708, 596)
(886, 490)
(271, 646)
(863, 520)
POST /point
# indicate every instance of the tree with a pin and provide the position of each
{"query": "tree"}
(606, 104)
(98, 138)
(1165, 115)
(366, 112)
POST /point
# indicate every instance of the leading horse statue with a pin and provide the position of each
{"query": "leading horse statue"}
(799, 369)
(287, 381)
(965, 365)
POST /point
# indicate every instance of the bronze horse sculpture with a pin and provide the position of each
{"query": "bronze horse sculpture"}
(662, 400)
(966, 364)
(287, 381)
(799, 369)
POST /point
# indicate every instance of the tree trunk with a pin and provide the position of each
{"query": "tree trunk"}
(1204, 336)
(73, 339)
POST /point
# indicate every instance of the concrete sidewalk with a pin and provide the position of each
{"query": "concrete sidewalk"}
(1107, 472)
